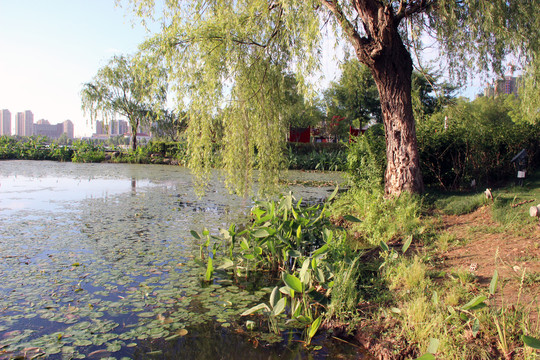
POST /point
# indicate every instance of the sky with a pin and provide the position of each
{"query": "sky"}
(50, 48)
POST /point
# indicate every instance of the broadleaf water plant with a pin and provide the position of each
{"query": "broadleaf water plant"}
(285, 237)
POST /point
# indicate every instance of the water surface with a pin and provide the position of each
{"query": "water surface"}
(97, 261)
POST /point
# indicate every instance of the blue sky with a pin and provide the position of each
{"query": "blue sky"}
(49, 48)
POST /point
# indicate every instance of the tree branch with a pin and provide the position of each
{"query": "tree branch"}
(415, 7)
(357, 41)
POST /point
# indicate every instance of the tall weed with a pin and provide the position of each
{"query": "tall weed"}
(382, 219)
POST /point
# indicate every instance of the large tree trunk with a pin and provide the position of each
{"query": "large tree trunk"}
(392, 72)
(382, 50)
(133, 139)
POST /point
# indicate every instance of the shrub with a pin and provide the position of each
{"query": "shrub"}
(478, 144)
(84, 151)
(366, 160)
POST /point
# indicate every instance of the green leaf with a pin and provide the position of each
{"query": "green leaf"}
(274, 297)
(531, 342)
(261, 233)
(280, 306)
(351, 218)
(293, 282)
(474, 303)
(407, 244)
(299, 232)
(475, 327)
(303, 270)
(493, 283)
(320, 251)
(244, 244)
(333, 194)
(294, 253)
(209, 270)
(195, 234)
(255, 309)
(287, 291)
(314, 327)
(384, 246)
(303, 319)
(227, 263)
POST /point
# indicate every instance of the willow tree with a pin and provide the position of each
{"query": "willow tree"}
(126, 87)
(240, 50)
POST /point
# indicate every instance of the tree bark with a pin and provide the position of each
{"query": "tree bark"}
(133, 139)
(383, 51)
(392, 72)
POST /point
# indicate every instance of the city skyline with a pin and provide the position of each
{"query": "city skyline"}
(54, 48)
(24, 125)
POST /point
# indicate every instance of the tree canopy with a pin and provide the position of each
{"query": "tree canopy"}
(354, 95)
(239, 52)
(127, 87)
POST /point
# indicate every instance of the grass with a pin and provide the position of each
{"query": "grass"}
(382, 219)
(460, 204)
(418, 303)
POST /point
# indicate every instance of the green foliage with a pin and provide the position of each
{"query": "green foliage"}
(60, 152)
(354, 96)
(241, 53)
(297, 241)
(317, 156)
(87, 152)
(297, 110)
(366, 161)
(429, 95)
(382, 219)
(345, 292)
(529, 91)
(478, 144)
(169, 125)
(31, 148)
(129, 87)
(479, 35)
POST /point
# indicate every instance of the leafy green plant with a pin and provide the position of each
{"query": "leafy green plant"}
(273, 309)
(85, 151)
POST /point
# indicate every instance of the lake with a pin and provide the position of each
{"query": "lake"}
(97, 262)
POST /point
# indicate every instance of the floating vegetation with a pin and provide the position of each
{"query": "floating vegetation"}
(99, 277)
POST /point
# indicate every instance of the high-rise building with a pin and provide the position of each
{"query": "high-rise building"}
(19, 124)
(100, 127)
(5, 122)
(43, 127)
(24, 123)
(123, 127)
(508, 85)
(68, 129)
(28, 123)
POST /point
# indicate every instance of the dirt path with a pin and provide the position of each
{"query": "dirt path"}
(484, 245)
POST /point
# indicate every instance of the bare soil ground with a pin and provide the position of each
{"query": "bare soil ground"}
(486, 246)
